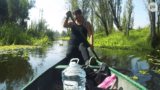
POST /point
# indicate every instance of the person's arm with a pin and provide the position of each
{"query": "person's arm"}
(66, 23)
(89, 29)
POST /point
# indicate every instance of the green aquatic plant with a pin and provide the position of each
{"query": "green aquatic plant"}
(64, 38)
(135, 78)
(143, 72)
(25, 55)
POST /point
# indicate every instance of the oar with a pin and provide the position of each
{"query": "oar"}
(70, 15)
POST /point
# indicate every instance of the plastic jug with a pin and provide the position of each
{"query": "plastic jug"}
(73, 77)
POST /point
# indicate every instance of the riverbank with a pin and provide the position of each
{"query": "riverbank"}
(137, 40)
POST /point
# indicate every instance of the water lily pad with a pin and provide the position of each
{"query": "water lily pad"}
(135, 78)
(150, 59)
(3, 60)
(156, 63)
(157, 60)
(142, 72)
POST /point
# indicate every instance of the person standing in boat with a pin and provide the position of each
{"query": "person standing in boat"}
(76, 41)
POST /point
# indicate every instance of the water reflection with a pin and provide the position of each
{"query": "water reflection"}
(154, 82)
(15, 72)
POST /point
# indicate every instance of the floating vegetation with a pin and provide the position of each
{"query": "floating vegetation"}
(61, 44)
(157, 71)
(135, 78)
(64, 38)
(3, 61)
(143, 72)
(16, 47)
(25, 55)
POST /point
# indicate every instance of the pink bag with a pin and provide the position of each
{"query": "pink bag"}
(107, 82)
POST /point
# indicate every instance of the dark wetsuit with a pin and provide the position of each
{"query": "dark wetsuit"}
(76, 42)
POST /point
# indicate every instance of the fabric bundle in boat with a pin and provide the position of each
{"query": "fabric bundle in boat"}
(95, 78)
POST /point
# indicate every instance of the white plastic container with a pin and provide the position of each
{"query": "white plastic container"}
(73, 77)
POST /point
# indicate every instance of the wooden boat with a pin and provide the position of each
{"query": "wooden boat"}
(51, 79)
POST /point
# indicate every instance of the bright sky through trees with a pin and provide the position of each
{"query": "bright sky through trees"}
(54, 11)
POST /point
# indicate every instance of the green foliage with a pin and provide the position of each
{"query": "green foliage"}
(64, 34)
(3, 10)
(138, 40)
(50, 34)
(44, 41)
(56, 34)
(64, 38)
(12, 34)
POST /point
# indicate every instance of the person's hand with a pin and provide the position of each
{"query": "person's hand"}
(91, 47)
(68, 13)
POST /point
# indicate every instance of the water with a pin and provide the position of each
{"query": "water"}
(16, 72)
(73, 77)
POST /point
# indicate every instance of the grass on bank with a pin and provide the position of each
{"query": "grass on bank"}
(64, 38)
(137, 40)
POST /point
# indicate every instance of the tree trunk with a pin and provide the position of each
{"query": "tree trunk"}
(129, 23)
(106, 29)
(153, 25)
(158, 24)
(114, 17)
(153, 32)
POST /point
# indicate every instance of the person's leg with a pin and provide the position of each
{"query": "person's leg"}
(70, 52)
(84, 51)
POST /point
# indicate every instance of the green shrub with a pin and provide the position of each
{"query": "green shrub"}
(12, 34)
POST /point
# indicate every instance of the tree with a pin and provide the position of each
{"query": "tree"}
(84, 6)
(116, 9)
(151, 18)
(92, 15)
(64, 34)
(124, 21)
(101, 12)
(18, 11)
(56, 34)
(152, 23)
(129, 7)
(158, 12)
(74, 4)
(42, 27)
(3, 11)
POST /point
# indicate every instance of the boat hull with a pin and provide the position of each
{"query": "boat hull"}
(51, 79)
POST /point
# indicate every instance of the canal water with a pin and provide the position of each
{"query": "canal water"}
(16, 71)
